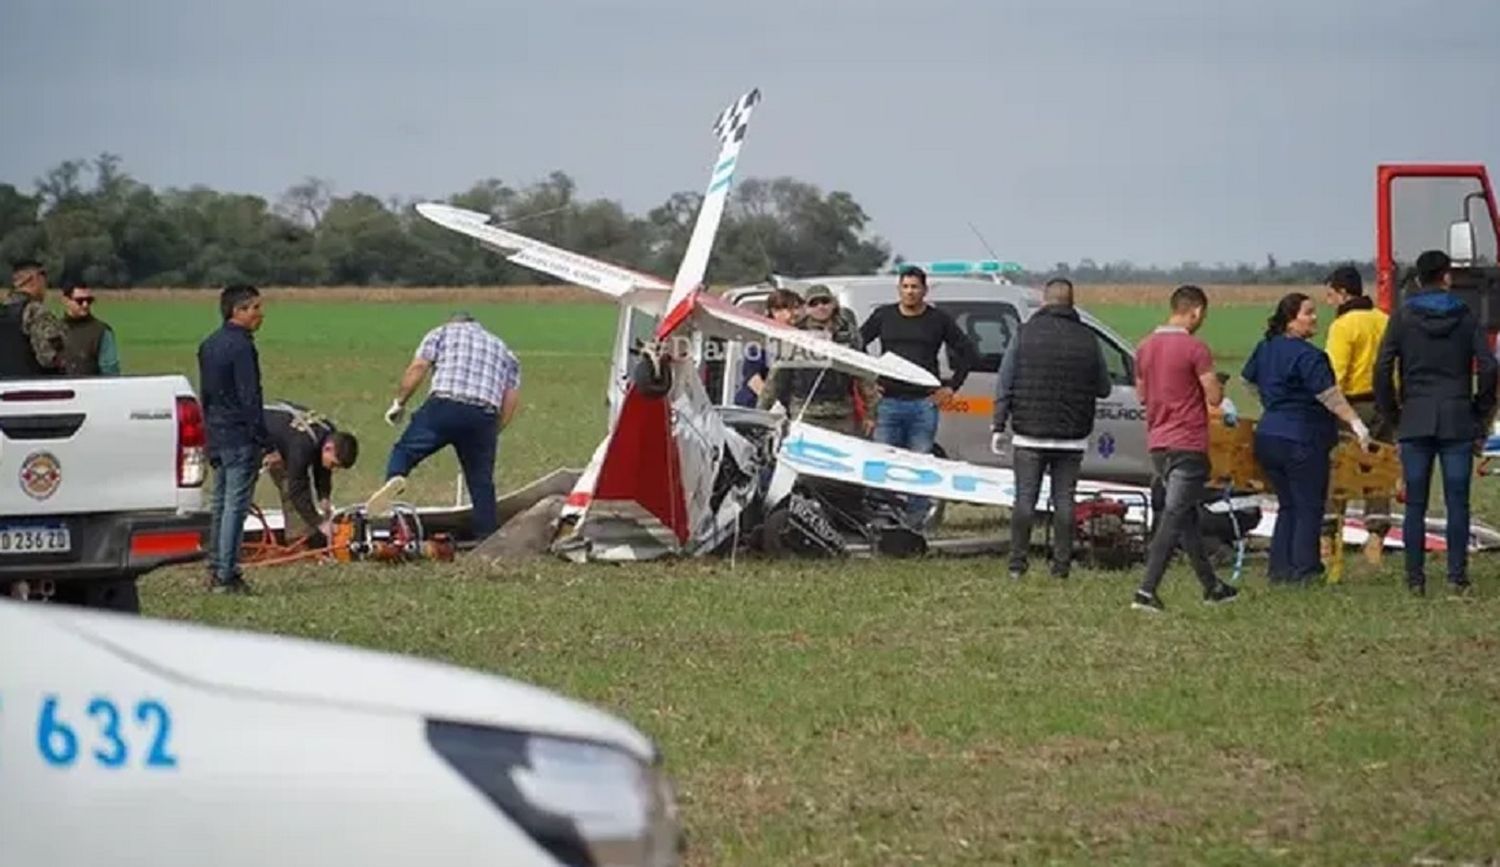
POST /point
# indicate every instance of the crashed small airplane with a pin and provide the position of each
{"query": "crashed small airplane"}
(678, 475)
(673, 475)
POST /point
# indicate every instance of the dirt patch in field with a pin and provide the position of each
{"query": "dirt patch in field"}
(1219, 294)
(386, 295)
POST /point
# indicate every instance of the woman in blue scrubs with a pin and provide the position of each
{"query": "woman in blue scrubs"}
(1300, 404)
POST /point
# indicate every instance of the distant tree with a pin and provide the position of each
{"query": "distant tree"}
(361, 242)
(789, 226)
(90, 220)
(305, 203)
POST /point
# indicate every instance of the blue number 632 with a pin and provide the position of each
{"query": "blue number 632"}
(59, 745)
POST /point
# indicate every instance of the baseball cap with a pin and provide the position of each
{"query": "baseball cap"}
(818, 290)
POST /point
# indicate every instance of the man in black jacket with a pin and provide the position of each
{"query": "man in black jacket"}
(1434, 346)
(308, 448)
(1051, 376)
(229, 385)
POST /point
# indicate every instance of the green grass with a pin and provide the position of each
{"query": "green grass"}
(908, 712)
(345, 358)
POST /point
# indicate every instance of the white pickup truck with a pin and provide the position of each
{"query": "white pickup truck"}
(101, 481)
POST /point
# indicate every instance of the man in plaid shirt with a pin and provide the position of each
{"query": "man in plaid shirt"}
(476, 382)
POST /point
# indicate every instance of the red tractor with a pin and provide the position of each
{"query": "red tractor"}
(1447, 207)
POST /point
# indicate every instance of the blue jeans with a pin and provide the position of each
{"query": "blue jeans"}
(1416, 471)
(235, 471)
(908, 423)
(1298, 472)
(473, 432)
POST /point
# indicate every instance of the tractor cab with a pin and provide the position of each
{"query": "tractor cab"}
(1448, 207)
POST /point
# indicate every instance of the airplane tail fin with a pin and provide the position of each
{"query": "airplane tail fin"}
(640, 484)
(729, 128)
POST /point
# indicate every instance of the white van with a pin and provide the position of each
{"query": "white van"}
(989, 309)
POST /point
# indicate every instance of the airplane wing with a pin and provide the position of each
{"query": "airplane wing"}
(624, 285)
(816, 451)
(716, 317)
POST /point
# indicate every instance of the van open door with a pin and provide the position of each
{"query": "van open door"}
(634, 328)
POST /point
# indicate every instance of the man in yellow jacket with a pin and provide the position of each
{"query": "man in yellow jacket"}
(1353, 343)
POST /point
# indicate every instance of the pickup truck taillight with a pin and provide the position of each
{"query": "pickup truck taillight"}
(192, 440)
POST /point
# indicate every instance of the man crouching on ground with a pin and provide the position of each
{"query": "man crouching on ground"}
(476, 382)
(1051, 377)
(308, 448)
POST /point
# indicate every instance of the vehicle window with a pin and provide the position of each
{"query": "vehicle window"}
(1423, 207)
(1116, 360)
(642, 326)
(990, 324)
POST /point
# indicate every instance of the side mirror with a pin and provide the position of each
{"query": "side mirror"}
(1461, 242)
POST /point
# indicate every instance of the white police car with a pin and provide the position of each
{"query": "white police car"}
(133, 741)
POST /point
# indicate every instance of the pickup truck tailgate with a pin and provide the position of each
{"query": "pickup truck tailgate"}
(89, 445)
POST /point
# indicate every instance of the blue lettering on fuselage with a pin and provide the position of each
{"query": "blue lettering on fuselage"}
(815, 455)
(828, 459)
(880, 472)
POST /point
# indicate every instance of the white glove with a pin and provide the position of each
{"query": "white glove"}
(997, 443)
(1361, 432)
(1231, 413)
(395, 413)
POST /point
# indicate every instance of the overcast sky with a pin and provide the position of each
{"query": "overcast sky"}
(1155, 130)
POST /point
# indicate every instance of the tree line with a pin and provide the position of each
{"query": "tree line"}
(91, 223)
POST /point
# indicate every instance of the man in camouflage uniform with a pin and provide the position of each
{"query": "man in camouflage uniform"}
(32, 340)
(307, 448)
(823, 396)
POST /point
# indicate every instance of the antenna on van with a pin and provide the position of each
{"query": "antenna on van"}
(987, 247)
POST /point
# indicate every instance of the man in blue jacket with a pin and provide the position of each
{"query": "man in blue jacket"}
(229, 385)
(1436, 349)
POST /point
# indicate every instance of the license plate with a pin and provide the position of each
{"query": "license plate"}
(35, 540)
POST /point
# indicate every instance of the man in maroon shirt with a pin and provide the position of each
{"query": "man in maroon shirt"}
(1175, 379)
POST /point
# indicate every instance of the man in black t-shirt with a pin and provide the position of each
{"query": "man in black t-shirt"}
(907, 415)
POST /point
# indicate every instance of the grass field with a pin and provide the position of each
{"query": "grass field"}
(903, 712)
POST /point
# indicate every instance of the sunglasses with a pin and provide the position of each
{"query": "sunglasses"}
(84, 301)
(819, 302)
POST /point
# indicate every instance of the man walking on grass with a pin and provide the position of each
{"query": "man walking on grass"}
(476, 382)
(1051, 376)
(1175, 380)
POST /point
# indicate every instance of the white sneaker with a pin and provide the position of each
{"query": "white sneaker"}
(380, 502)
